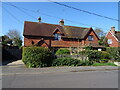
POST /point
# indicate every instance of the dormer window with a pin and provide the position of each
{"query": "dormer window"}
(90, 38)
(57, 36)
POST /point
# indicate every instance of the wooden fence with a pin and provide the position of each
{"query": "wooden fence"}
(80, 57)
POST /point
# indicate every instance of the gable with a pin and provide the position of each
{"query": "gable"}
(42, 43)
(58, 31)
(91, 32)
(110, 35)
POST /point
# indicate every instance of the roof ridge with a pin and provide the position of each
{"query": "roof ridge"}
(59, 25)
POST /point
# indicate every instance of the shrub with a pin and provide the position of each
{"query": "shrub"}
(36, 57)
(88, 48)
(62, 51)
(105, 55)
(67, 61)
(114, 52)
(96, 56)
(104, 60)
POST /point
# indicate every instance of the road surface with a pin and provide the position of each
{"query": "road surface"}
(35, 78)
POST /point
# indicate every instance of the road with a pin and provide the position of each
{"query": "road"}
(59, 79)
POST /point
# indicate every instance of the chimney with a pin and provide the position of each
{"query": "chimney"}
(113, 29)
(61, 22)
(39, 19)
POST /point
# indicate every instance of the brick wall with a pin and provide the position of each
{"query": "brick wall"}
(62, 43)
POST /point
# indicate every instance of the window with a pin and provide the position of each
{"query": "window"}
(109, 41)
(57, 37)
(90, 38)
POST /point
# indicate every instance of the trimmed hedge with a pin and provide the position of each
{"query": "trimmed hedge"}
(67, 61)
(62, 51)
(37, 57)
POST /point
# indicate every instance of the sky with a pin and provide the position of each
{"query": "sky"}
(15, 13)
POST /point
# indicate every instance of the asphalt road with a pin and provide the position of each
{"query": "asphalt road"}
(84, 79)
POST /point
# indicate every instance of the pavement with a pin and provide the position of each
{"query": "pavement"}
(19, 68)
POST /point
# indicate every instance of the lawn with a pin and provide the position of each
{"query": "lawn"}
(104, 64)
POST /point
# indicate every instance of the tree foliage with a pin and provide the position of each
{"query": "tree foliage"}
(12, 38)
(14, 35)
(5, 40)
(103, 41)
(99, 32)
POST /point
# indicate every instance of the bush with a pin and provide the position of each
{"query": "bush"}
(96, 56)
(67, 61)
(37, 57)
(104, 60)
(62, 51)
(114, 52)
(88, 48)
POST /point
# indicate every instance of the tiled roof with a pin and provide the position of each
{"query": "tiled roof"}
(117, 34)
(45, 29)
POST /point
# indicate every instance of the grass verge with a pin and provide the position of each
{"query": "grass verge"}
(104, 64)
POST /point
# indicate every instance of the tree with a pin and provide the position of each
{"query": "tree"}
(99, 32)
(103, 41)
(15, 37)
(5, 40)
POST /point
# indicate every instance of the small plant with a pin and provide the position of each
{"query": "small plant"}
(62, 51)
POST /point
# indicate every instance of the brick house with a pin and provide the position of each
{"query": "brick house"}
(113, 37)
(57, 35)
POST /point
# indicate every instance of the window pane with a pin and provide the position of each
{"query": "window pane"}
(57, 36)
(90, 37)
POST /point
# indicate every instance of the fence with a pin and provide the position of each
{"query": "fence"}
(80, 57)
(11, 54)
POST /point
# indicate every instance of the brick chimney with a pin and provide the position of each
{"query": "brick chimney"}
(113, 29)
(39, 19)
(61, 22)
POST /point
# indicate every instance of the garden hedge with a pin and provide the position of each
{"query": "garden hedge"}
(37, 57)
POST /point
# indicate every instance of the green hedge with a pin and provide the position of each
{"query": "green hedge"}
(96, 56)
(114, 52)
(62, 51)
(37, 57)
(67, 61)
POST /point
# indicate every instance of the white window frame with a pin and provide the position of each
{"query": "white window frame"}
(109, 41)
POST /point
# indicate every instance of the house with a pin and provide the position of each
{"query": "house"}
(113, 38)
(57, 35)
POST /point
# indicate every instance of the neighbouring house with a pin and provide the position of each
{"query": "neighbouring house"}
(113, 38)
(58, 35)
